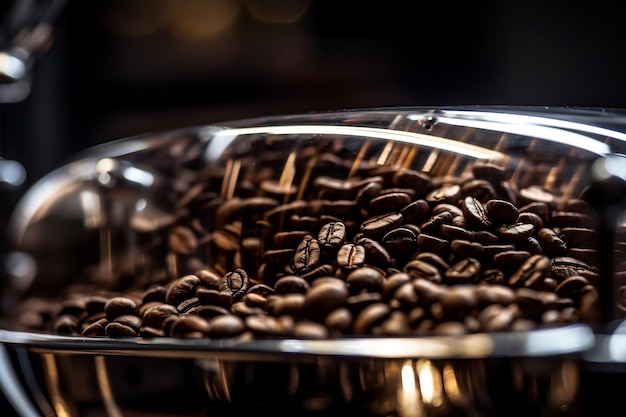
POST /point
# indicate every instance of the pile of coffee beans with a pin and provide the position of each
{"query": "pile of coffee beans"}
(332, 251)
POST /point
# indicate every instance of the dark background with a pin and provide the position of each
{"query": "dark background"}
(124, 67)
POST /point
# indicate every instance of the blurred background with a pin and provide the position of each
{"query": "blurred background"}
(115, 68)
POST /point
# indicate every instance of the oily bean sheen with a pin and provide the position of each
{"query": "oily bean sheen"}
(335, 243)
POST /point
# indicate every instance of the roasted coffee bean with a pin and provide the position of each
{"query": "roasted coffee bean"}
(400, 242)
(118, 306)
(66, 324)
(464, 248)
(465, 271)
(291, 284)
(536, 194)
(291, 238)
(424, 270)
(332, 236)
(359, 301)
(115, 329)
(415, 180)
(228, 325)
(445, 194)
(475, 213)
(406, 296)
(530, 218)
(491, 276)
(309, 330)
(155, 293)
(532, 272)
(517, 232)
(454, 210)
(433, 259)
(565, 266)
(370, 317)
(96, 328)
(187, 305)
(429, 243)
(321, 299)
(415, 212)
(496, 318)
(367, 192)
(551, 243)
(452, 232)
(129, 320)
(530, 245)
(510, 260)
(489, 172)
(501, 212)
(214, 297)
(181, 289)
(377, 226)
(393, 282)
(494, 294)
(375, 253)
(155, 316)
(433, 225)
(366, 278)
(571, 287)
(579, 237)
(320, 271)
(351, 256)
(397, 324)
(562, 219)
(307, 256)
(236, 283)
(389, 202)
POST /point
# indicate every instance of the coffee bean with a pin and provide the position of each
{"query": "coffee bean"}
(365, 278)
(118, 306)
(307, 256)
(332, 236)
(400, 242)
(424, 270)
(291, 284)
(532, 272)
(323, 298)
(236, 283)
(475, 213)
(517, 232)
(501, 211)
(465, 271)
(181, 289)
(377, 226)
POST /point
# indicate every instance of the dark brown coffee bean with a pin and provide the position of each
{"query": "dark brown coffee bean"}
(517, 232)
(389, 202)
(365, 278)
(236, 283)
(446, 194)
(464, 248)
(530, 245)
(400, 242)
(359, 301)
(321, 271)
(291, 284)
(565, 266)
(214, 297)
(181, 289)
(332, 236)
(579, 237)
(530, 218)
(429, 243)
(375, 253)
(309, 330)
(424, 270)
(489, 172)
(485, 237)
(475, 213)
(155, 316)
(551, 244)
(291, 304)
(351, 256)
(510, 260)
(397, 324)
(307, 256)
(532, 272)
(118, 306)
(415, 211)
(229, 325)
(129, 320)
(494, 294)
(501, 212)
(290, 239)
(370, 317)
(433, 225)
(536, 194)
(571, 287)
(465, 271)
(496, 318)
(453, 209)
(209, 278)
(187, 305)
(415, 180)
(491, 276)
(377, 226)
(367, 192)
(433, 259)
(66, 324)
(321, 299)
(96, 328)
(114, 329)
(452, 232)
(263, 326)
(561, 219)
(406, 296)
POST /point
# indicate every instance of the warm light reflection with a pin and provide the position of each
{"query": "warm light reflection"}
(105, 388)
(196, 20)
(451, 385)
(430, 383)
(92, 210)
(409, 399)
(413, 138)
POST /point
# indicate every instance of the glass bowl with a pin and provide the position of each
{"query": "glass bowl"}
(405, 261)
